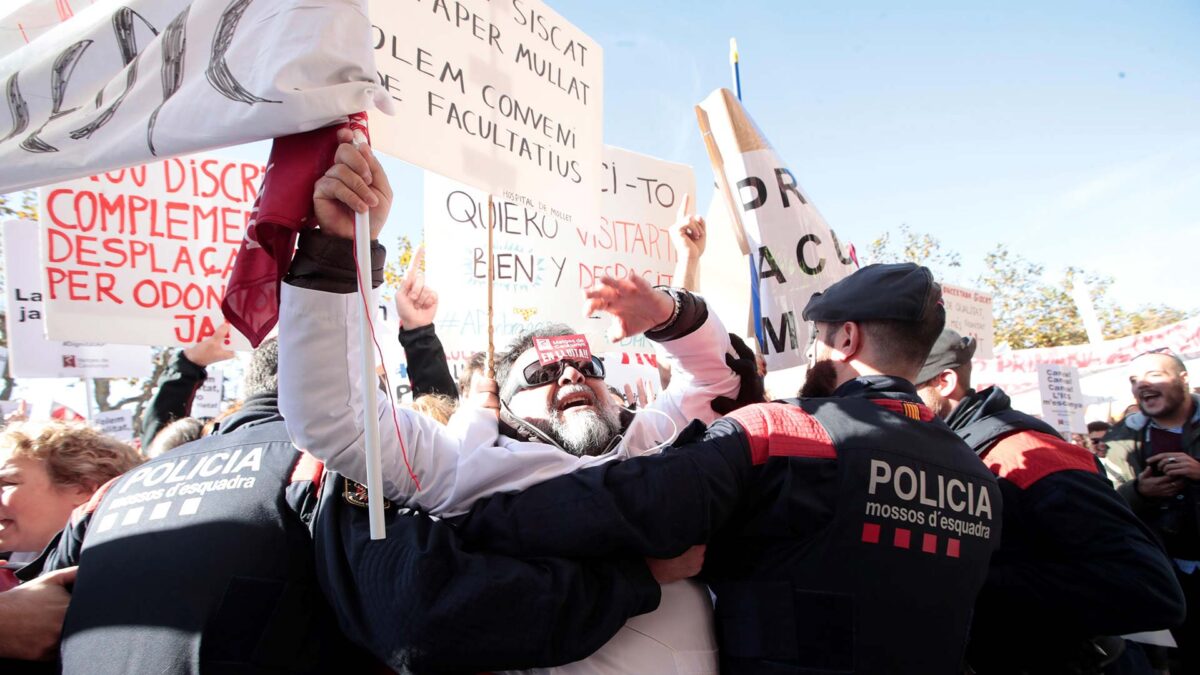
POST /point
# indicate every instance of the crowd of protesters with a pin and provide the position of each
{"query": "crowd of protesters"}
(540, 520)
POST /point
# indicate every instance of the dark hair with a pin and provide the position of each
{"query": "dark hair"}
(476, 363)
(904, 345)
(175, 434)
(1164, 351)
(262, 377)
(520, 344)
(1098, 425)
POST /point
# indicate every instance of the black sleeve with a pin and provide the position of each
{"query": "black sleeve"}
(172, 399)
(655, 506)
(63, 551)
(420, 602)
(1091, 564)
(428, 372)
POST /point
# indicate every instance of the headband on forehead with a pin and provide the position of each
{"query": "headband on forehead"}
(562, 348)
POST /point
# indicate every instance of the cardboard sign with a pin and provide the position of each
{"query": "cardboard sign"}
(32, 354)
(115, 423)
(141, 255)
(970, 314)
(562, 348)
(793, 250)
(210, 395)
(1062, 402)
(132, 81)
(498, 95)
(544, 256)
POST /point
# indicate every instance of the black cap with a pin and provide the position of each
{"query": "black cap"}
(898, 292)
(950, 351)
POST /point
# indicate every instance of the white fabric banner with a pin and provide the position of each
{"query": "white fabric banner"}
(124, 82)
(498, 95)
(794, 251)
(544, 256)
(141, 255)
(32, 355)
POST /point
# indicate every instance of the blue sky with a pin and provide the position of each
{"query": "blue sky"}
(1069, 130)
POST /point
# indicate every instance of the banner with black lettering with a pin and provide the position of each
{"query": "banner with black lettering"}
(793, 250)
(124, 82)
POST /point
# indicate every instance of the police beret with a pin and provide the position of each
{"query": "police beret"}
(896, 292)
(950, 351)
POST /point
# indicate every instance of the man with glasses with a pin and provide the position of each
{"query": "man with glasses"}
(1160, 447)
(1074, 563)
(420, 600)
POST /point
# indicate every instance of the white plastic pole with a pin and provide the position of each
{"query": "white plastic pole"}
(370, 384)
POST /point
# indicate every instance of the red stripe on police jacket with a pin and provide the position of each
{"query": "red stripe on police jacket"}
(308, 468)
(1026, 457)
(781, 430)
(89, 507)
(908, 409)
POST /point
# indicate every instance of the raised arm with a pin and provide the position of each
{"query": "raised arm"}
(177, 386)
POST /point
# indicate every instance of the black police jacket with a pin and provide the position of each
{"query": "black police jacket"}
(201, 560)
(421, 601)
(1075, 562)
(848, 534)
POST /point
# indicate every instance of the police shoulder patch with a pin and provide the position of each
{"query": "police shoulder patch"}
(783, 430)
(355, 494)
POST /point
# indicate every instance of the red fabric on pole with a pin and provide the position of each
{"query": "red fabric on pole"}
(283, 207)
(59, 411)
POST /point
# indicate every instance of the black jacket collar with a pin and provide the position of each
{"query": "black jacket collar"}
(258, 409)
(978, 405)
(878, 386)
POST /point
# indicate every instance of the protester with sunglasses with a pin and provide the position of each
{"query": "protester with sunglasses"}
(419, 600)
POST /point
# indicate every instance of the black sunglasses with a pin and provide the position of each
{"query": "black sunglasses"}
(536, 375)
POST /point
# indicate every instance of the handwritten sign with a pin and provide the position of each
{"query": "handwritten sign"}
(502, 96)
(793, 250)
(210, 395)
(115, 423)
(129, 82)
(970, 314)
(545, 256)
(32, 354)
(1062, 402)
(141, 255)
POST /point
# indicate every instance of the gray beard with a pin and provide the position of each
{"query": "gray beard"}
(585, 434)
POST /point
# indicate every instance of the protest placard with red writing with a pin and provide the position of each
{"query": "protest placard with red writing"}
(142, 255)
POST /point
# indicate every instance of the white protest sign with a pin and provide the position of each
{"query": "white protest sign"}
(502, 96)
(544, 258)
(142, 255)
(209, 397)
(794, 251)
(126, 82)
(32, 354)
(623, 369)
(115, 423)
(1062, 402)
(3, 360)
(969, 313)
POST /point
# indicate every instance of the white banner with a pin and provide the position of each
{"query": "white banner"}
(544, 257)
(1062, 401)
(115, 423)
(969, 313)
(210, 396)
(124, 82)
(32, 355)
(141, 255)
(795, 253)
(502, 96)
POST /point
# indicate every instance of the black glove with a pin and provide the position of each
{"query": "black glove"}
(746, 366)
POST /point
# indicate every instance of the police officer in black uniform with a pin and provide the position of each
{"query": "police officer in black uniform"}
(201, 560)
(849, 530)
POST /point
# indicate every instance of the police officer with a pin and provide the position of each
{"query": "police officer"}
(1075, 562)
(201, 560)
(849, 531)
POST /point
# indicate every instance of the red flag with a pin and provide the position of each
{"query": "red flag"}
(59, 411)
(282, 209)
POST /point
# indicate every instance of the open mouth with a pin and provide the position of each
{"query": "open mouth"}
(576, 399)
(1149, 396)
